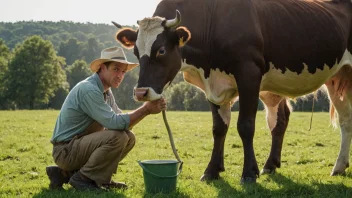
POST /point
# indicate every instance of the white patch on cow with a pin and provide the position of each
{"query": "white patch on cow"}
(271, 116)
(225, 113)
(271, 102)
(151, 95)
(220, 88)
(292, 84)
(346, 59)
(149, 29)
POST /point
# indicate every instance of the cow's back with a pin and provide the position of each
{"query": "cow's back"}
(292, 40)
(220, 29)
(315, 33)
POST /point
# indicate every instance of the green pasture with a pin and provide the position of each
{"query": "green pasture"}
(307, 157)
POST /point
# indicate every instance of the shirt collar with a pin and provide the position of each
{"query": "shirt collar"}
(100, 84)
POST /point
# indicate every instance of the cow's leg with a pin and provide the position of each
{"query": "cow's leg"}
(342, 161)
(277, 115)
(221, 120)
(340, 94)
(248, 79)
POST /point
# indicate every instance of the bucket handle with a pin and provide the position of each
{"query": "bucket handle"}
(146, 170)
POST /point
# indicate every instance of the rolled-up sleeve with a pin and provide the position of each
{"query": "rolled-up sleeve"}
(93, 105)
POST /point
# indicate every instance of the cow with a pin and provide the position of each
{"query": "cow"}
(274, 50)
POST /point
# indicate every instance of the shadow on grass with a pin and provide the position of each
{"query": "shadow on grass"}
(316, 189)
(225, 189)
(287, 188)
(73, 193)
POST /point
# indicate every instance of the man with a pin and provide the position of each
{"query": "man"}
(92, 135)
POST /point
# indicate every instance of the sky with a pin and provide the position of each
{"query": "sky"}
(124, 12)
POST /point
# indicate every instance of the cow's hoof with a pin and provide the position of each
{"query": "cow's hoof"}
(336, 173)
(267, 171)
(248, 180)
(208, 177)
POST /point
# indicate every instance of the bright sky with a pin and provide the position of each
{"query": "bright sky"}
(124, 12)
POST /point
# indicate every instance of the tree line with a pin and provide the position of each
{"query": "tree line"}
(40, 62)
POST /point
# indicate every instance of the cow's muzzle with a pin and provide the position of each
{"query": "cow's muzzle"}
(145, 94)
(140, 93)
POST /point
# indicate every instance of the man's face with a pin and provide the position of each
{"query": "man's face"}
(114, 73)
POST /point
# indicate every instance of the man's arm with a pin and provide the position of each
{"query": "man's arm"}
(93, 104)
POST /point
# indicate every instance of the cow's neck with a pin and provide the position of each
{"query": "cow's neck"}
(193, 56)
(197, 71)
(196, 57)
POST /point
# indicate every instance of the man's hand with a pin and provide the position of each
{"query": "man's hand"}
(156, 106)
(150, 107)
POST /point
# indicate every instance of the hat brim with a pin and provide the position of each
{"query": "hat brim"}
(95, 65)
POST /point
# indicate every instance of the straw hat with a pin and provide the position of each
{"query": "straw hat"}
(114, 54)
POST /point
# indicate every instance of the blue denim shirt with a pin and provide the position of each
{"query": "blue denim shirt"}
(85, 104)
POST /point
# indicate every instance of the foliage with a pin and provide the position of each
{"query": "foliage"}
(4, 59)
(307, 157)
(321, 102)
(34, 73)
(92, 49)
(184, 96)
(69, 49)
(59, 96)
(77, 72)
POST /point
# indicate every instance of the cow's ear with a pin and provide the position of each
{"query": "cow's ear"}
(127, 37)
(184, 35)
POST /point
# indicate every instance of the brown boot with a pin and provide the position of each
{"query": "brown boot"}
(81, 182)
(57, 177)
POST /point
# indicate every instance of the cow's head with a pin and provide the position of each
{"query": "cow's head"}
(157, 45)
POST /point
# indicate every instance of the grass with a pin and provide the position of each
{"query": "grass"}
(307, 157)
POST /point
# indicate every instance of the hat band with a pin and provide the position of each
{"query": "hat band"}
(118, 57)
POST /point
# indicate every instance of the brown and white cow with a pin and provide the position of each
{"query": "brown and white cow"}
(245, 49)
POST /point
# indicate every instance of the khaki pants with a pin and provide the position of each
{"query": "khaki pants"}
(96, 154)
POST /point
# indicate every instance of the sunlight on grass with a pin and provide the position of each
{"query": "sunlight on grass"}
(307, 157)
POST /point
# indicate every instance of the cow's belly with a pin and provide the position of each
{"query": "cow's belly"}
(292, 85)
(219, 88)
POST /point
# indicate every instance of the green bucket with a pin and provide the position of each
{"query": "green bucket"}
(160, 175)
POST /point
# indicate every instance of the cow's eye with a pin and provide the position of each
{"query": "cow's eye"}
(161, 51)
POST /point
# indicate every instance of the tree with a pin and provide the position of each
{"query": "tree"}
(195, 100)
(4, 59)
(91, 50)
(70, 50)
(35, 72)
(60, 95)
(184, 96)
(76, 72)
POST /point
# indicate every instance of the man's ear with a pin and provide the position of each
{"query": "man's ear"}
(184, 35)
(127, 37)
